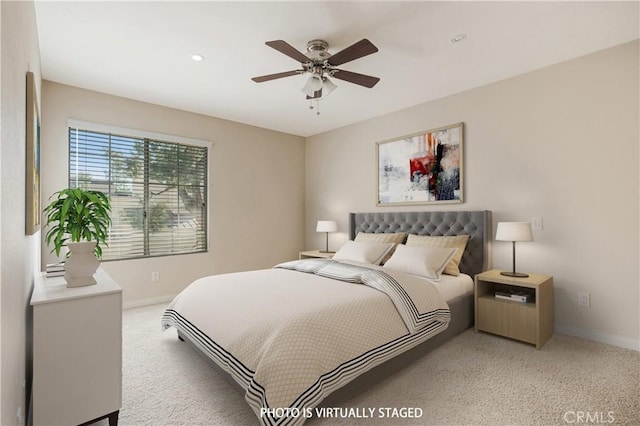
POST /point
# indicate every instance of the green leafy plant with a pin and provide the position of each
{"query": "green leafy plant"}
(78, 215)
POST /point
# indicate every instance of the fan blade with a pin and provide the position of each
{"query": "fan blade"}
(269, 77)
(353, 77)
(284, 47)
(362, 48)
(316, 95)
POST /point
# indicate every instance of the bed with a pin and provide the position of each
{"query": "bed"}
(301, 335)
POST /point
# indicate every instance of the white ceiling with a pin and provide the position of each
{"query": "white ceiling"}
(142, 51)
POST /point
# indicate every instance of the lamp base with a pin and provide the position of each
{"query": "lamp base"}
(326, 251)
(514, 274)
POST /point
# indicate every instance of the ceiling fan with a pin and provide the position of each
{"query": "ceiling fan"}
(321, 65)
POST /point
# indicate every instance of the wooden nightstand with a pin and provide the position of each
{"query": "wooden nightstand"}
(530, 322)
(315, 254)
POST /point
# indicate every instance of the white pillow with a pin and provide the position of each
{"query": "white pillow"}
(428, 262)
(366, 252)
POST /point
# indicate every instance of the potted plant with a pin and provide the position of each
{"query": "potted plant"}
(78, 219)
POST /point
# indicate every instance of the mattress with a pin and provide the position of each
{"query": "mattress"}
(452, 287)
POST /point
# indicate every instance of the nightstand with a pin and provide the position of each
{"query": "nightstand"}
(530, 322)
(315, 254)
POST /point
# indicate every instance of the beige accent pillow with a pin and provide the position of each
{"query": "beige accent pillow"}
(458, 241)
(365, 252)
(395, 238)
(425, 261)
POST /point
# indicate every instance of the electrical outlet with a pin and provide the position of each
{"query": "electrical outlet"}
(584, 299)
(536, 223)
(155, 276)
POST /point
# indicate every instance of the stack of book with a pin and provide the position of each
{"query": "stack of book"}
(516, 296)
(55, 269)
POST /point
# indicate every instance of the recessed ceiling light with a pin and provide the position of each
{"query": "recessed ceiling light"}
(197, 57)
(459, 38)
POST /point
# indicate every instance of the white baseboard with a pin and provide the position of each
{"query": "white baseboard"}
(623, 342)
(146, 302)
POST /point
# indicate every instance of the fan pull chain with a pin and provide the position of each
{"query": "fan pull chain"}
(317, 107)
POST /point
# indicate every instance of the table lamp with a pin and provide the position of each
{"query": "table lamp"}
(514, 231)
(326, 226)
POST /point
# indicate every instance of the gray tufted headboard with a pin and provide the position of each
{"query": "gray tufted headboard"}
(476, 224)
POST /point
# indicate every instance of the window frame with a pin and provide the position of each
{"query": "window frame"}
(159, 137)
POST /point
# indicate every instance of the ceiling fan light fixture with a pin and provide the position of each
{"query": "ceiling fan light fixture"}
(314, 83)
(321, 64)
(327, 86)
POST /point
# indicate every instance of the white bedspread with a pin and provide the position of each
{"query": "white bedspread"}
(290, 338)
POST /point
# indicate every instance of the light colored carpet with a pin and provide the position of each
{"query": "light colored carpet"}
(475, 379)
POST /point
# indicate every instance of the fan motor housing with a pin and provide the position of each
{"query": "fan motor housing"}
(317, 50)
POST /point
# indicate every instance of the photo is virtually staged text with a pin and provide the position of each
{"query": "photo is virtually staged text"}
(345, 412)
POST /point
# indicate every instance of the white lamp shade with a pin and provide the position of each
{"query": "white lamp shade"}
(326, 226)
(514, 231)
(314, 83)
(327, 86)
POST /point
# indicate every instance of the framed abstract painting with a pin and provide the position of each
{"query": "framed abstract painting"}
(422, 168)
(32, 196)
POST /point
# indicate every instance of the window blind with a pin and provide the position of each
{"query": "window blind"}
(158, 191)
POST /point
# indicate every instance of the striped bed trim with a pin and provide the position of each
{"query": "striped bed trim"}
(310, 398)
(209, 347)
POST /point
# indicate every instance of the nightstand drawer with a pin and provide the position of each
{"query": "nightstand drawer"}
(510, 319)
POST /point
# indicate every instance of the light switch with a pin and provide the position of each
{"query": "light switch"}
(536, 223)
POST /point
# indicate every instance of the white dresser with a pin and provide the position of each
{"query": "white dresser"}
(77, 351)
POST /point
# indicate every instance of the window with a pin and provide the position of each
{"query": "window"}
(158, 191)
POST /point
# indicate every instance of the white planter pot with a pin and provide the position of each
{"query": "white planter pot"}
(81, 264)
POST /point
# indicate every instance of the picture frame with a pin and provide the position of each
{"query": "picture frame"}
(32, 176)
(421, 168)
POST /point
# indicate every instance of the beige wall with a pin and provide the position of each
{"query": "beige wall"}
(19, 253)
(561, 143)
(256, 193)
